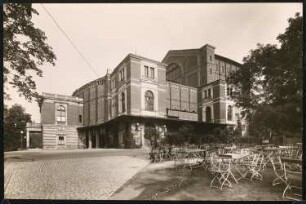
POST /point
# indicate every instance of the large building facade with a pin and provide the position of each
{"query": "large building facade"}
(188, 86)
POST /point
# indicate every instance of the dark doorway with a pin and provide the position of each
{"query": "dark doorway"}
(93, 140)
(86, 140)
(208, 114)
(35, 140)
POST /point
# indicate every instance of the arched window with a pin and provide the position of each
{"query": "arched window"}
(149, 100)
(122, 102)
(208, 114)
(229, 113)
(61, 114)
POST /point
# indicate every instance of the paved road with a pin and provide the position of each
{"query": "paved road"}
(71, 174)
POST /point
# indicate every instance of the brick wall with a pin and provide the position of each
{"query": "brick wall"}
(219, 112)
(73, 114)
(134, 70)
(161, 75)
(100, 110)
(92, 114)
(134, 101)
(48, 113)
(162, 102)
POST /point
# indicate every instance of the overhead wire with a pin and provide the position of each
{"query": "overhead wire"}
(70, 40)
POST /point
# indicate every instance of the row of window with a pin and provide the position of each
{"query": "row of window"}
(207, 93)
(149, 102)
(149, 72)
(229, 91)
(121, 77)
(229, 114)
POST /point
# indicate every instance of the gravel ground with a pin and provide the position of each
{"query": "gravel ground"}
(69, 178)
(159, 181)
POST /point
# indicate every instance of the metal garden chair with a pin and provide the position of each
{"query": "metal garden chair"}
(221, 172)
(290, 177)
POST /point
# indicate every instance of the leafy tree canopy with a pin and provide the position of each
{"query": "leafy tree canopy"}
(25, 49)
(271, 81)
(14, 124)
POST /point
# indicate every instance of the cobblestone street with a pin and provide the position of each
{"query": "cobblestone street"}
(62, 176)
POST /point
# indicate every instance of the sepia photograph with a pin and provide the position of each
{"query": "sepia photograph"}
(153, 101)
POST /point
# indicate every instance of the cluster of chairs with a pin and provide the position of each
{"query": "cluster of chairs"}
(161, 153)
(224, 170)
(250, 163)
(288, 170)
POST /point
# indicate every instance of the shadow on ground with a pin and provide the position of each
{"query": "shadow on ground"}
(156, 182)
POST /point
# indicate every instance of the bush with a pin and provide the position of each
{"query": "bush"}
(129, 140)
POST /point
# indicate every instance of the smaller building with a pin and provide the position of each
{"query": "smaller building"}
(34, 136)
(61, 115)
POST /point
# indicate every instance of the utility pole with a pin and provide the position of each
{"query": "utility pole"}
(21, 133)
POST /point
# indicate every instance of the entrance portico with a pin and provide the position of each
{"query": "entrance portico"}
(34, 135)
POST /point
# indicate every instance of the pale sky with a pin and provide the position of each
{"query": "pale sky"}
(106, 33)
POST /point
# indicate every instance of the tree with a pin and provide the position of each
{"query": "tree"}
(15, 121)
(270, 81)
(184, 134)
(224, 135)
(24, 49)
(129, 140)
(152, 135)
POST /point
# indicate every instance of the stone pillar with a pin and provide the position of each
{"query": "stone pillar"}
(89, 141)
(142, 132)
(28, 139)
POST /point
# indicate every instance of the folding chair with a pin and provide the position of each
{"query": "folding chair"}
(278, 170)
(255, 169)
(252, 165)
(290, 177)
(221, 172)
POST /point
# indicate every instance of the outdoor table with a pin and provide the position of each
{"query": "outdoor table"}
(194, 153)
(228, 149)
(289, 147)
(190, 154)
(271, 149)
(291, 160)
(233, 155)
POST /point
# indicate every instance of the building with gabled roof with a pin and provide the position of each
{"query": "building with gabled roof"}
(188, 86)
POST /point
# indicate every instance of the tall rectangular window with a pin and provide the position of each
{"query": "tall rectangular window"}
(121, 75)
(113, 84)
(80, 118)
(146, 71)
(209, 93)
(61, 140)
(61, 114)
(122, 102)
(152, 72)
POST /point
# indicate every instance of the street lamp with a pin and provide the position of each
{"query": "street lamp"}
(21, 133)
